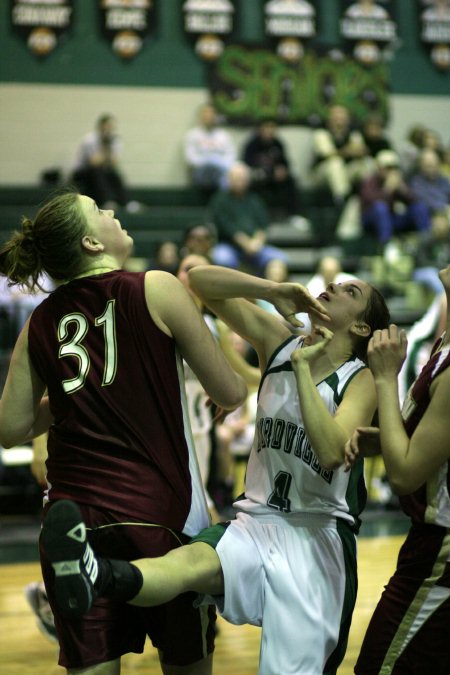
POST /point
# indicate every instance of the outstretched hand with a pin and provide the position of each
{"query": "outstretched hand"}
(387, 351)
(364, 442)
(289, 299)
(309, 351)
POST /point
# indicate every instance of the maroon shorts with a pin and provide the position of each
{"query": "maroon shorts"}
(409, 633)
(183, 634)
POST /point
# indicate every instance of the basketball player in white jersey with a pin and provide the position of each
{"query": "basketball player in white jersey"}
(288, 561)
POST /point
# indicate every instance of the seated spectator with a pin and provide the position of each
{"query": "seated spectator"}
(433, 141)
(411, 148)
(241, 219)
(266, 156)
(339, 154)
(388, 205)
(166, 258)
(199, 239)
(96, 170)
(209, 151)
(373, 133)
(16, 305)
(433, 254)
(445, 164)
(430, 185)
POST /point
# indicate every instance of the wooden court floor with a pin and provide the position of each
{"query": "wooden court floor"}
(23, 650)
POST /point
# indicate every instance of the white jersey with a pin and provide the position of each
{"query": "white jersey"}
(284, 474)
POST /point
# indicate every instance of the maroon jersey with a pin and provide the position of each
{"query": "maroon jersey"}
(431, 502)
(121, 438)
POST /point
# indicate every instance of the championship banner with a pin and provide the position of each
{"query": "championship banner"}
(435, 31)
(289, 23)
(41, 23)
(369, 26)
(126, 24)
(208, 23)
(248, 84)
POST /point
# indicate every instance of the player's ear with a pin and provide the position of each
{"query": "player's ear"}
(92, 244)
(360, 328)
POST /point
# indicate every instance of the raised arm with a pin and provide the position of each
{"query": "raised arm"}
(329, 433)
(409, 461)
(175, 312)
(251, 375)
(223, 290)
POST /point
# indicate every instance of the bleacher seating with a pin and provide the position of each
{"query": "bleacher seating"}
(168, 211)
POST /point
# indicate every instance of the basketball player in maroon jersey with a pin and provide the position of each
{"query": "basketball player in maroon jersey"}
(108, 345)
(409, 631)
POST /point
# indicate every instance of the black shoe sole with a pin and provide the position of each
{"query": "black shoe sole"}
(64, 541)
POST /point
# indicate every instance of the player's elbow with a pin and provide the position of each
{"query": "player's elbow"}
(403, 485)
(9, 439)
(234, 396)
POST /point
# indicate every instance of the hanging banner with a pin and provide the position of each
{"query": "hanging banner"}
(248, 84)
(435, 31)
(369, 26)
(289, 23)
(209, 23)
(42, 24)
(126, 24)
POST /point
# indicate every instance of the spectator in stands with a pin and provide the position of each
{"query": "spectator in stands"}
(199, 239)
(209, 151)
(445, 164)
(411, 148)
(167, 257)
(433, 254)
(430, 185)
(433, 141)
(272, 178)
(388, 205)
(241, 219)
(96, 171)
(373, 133)
(375, 140)
(339, 154)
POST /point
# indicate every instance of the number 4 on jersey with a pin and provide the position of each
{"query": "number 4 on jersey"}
(278, 499)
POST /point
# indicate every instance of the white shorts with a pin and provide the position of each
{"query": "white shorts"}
(295, 577)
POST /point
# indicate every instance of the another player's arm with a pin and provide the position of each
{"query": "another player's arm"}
(24, 410)
(329, 433)
(251, 375)
(223, 290)
(175, 312)
(410, 462)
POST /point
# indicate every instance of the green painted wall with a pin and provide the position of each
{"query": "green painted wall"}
(169, 60)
